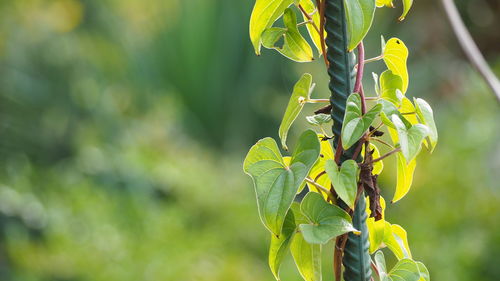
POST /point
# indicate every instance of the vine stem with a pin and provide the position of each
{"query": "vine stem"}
(323, 189)
(383, 156)
(318, 29)
(377, 58)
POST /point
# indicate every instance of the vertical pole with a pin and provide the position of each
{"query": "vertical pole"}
(356, 257)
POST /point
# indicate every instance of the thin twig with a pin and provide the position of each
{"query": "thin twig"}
(318, 29)
(470, 48)
(317, 100)
(382, 142)
(383, 156)
(317, 185)
(377, 58)
(321, 6)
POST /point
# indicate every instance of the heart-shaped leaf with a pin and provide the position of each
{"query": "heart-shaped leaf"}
(301, 93)
(326, 221)
(359, 16)
(264, 14)
(390, 87)
(411, 139)
(345, 180)
(280, 244)
(426, 116)
(395, 56)
(355, 124)
(276, 183)
(404, 176)
(404, 270)
(307, 256)
(295, 47)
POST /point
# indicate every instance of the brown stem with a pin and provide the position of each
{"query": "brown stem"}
(383, 156)
(321, 7)
(318, 29)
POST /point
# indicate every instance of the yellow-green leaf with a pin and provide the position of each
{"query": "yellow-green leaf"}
(376, 229)
(359, 16)
(387, 3)
(264, 14)
(307, 256)
(390, 83)
(295, 47)
(310, 8)
(275, 183)
(404, 176)
(280, 244)
(396, 240)
(318, 173)
(424, 273)
(395, 57)
(301, 93)
(406, 8)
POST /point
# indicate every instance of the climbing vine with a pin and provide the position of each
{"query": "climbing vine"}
(338, 180)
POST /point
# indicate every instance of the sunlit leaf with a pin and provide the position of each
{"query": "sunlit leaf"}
(326, 221)
(318, 173)
(410, 139)
(404, 270)
(301, 93)
(344, 180)
(387, 3)
(397, 241)
(280, 244)
(406, 8)
(295, 47)
(310, 8)
(359, 16)
(319, 119)
(376, 229)
(395, 56)
(264, 14)
(404, 176)
(275, 183)
(355, 124)
(409, 111)
(389, 86)
(426, 116)
(307, 256)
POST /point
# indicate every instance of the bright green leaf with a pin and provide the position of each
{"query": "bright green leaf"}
(395, 56)
(307, 256)
(264, 14)
(389, 86)
(404, 176)
(344, 180)
(326, 221)
(280, 244)
(359, 16)
(310, 8)
(426, 116)
(319, 119)
(295, 47)
(355, 124)
(301, 93)
(411, 139)
(275, 183)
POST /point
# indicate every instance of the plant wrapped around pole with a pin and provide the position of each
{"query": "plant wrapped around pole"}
(356, 258)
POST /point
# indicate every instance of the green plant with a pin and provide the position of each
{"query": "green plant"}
(336, 178)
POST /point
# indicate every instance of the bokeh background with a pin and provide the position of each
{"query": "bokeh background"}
(124, 124)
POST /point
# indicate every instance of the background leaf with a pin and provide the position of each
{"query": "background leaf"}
(395, 56)
(264, 14)
(275, 183)
(301, 93)
(359, 15)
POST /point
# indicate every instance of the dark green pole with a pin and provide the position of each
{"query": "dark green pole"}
(356, 258)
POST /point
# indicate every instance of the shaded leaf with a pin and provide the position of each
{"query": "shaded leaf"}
(326, 221)
(301, 93)
(264, 14)
(275, 183)
(404, 270)
(355, 124)
(410, 139)
(359, 16)
(395, 56)
(344, 180)
(319, 119)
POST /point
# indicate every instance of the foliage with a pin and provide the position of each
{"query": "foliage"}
(327, 209)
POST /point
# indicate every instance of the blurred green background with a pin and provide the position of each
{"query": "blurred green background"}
(124, 124)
